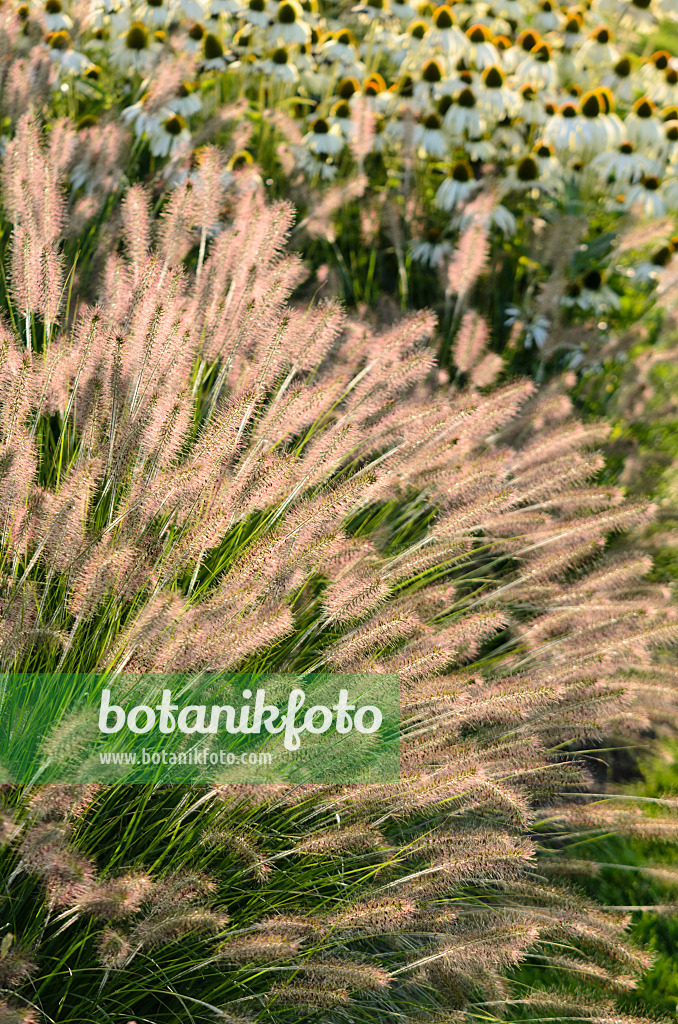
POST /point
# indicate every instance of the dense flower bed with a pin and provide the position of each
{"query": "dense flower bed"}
(530, 96)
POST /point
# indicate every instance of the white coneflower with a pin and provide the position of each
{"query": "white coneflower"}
(430, 138)
(217, 7)
(324, 138)
(156, 13)
(572, 37)
(446, 34)
(313, 166)
(170, 135)
(494, 96)
(567, 130)
(670, 192)
(624, 164)
(371, 10)
(289, 25)
(670, 150)
(524, 43)
(482, 51)
(525, 176)
(279, 66)
(404, 12)
(373, 87)
(54, 16)
(529, 106)
(214, 57)
(456, 188)
(257, 12)
(642, 126)
(411, 47)
(640, 15)
(647, 197)
(187, 100)
(660, 78)
(192, 9)
(597, 50)
(511, 10)
(134, 48)
(340, 114)
(456, 80)
(194, 37)
(503, 220)
(69, 60)
(137, 116)
(538, 68)
(481, 149)
(621, 80)
(431, 75)
(432, 249)
(340, 46)
(600, 130)
(590, 293)
(550, 167)
(548, 17)
(464, 116)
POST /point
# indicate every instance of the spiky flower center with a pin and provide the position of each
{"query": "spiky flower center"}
(432, 122)
(527, 169)
(492, 77)
(442, 19)
(212, 48)
(590, 105)
(662, 256)
(174, 125)
(280, 55)
(528, 40)
(373, 85)
(239, 160)
(432, 71)
(348, 87)
(59, 40)
(478, 34)
(461, 171)
(137, 37)
(466, 98)
(592, 280)
(643, 108)
(287, 14)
